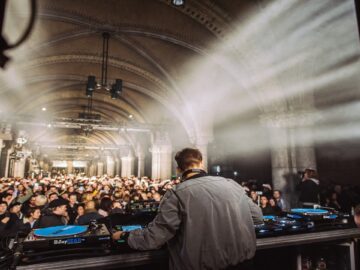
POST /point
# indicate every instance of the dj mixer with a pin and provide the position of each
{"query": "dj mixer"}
(276, 225)
(143, 207)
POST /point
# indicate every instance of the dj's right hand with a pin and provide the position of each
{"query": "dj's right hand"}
(117, 235)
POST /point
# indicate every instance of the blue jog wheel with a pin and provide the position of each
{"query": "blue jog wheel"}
(309, 211)
(269, 217)
(60, 231)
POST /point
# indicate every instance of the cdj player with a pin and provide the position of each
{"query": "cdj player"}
(69, 241)
(323, 218)
(64, 236)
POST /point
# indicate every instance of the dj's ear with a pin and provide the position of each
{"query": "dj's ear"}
(201, 165)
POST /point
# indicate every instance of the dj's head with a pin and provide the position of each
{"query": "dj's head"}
(188, 158)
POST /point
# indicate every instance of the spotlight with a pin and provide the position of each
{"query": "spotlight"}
(131, 116)
(49, 125)
(116, 89)
(90, 86)
(43, 109)
(178, 3)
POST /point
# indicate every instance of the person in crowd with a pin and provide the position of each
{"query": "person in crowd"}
(8, 198)
(31, 218)
(333, 202)
(4, 217)
(156, 197)
(41, 201)
(192, 220)
(56, 216)
(15, 208)
(280, 201)
(265, 206)
(72, 208)
(105, 206)
(254, 196)
(80, 211)
(24, 192)
(116, 208)
(343, 199)
(276, 209)
(10, 223)
(309, 189)
(53, 196)
(90, 214)
(30, 203)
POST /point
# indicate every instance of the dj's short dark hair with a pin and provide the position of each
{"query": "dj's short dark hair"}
(188, 157)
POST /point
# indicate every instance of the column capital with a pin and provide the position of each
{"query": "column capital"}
(161, 149)
(290, 119)
(161, 138)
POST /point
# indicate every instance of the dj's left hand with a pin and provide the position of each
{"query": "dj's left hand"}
(117, 235)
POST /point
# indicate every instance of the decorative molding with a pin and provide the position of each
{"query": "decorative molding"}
(208, 15)
(290, 119)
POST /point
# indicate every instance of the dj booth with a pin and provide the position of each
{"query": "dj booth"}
(299, 239)
(159, 257)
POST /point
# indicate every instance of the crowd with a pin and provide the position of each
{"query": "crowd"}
(37, 203)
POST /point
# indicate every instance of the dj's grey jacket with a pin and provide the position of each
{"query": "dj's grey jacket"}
(207, 222)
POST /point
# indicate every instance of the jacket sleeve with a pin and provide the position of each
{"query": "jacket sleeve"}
(25, 197)
(162, 228)
(255, 211)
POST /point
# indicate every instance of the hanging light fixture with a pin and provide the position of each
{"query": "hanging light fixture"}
(91, 85)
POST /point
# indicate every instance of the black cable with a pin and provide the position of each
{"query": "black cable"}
(29, 27)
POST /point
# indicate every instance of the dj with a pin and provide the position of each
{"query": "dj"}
(56, 215)
(206, 221)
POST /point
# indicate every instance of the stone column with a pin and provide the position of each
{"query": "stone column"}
(110, 166)
(19, 170)
(291, 148)
(1, 147)
(117, 166)
(70, 167)
(140, 154)
(100, 168)
(305, 152)
(92, 169)
(141, 165)
(127, 165)
(161, 151)
(6, 135)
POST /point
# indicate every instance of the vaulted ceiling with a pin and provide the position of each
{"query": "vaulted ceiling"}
(151, 43)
